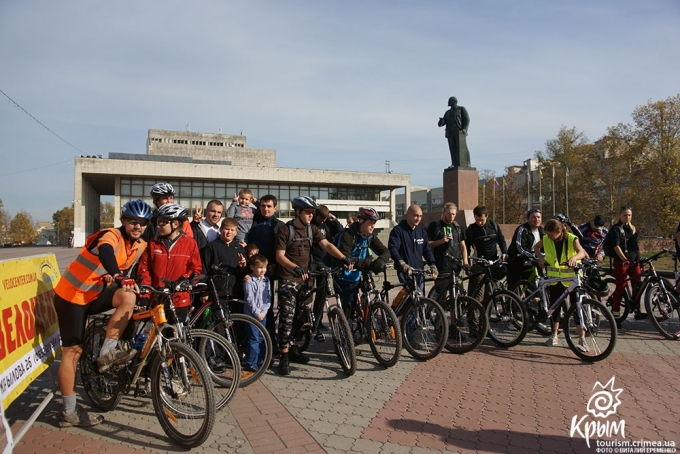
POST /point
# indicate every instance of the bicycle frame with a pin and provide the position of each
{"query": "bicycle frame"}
(543, 284)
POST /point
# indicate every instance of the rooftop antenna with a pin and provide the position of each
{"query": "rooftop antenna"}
(188, 127)
(387, 167)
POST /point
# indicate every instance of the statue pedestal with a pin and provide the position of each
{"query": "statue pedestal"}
(461, 188)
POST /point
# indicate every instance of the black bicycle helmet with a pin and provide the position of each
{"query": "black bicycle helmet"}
(172, 211)
(368, 213)
(303, 203)
(562, 218)
(162, 189)
(596, 285)
(137, 209)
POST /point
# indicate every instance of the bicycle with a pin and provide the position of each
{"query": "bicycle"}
(376, 322)
(595, 284)
(661, 303)
(631, 300)
(219, 355)
(181, 386)
(424, 326)
(214, 314)
(587, 316)
(467, 320)
(508, 318)
(343, 342)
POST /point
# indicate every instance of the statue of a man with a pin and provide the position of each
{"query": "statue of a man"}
(457, 121)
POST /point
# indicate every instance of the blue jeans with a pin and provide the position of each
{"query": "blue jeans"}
(256, 348)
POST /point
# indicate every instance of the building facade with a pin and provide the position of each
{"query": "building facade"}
(203, 166)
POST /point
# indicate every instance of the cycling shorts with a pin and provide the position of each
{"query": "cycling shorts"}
(72, 317)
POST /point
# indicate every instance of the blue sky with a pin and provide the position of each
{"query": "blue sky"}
(329, 85)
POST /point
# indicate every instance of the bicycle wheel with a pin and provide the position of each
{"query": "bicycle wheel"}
(663, 310)
(424, 328)
(384, 334)
(342, 340)
(182, 395)
(237, 333)
(468, 328)
(222, 361)
(523, 288)
(102, 389)
(508, 319)
(626, 301)
(600, 333)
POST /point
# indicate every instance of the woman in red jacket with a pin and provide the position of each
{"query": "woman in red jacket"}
(171, 255)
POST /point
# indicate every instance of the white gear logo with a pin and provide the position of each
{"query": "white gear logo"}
(604, 401)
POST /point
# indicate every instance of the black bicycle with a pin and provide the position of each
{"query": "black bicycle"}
(343, 342)
(424, 325)
(214, 314)
(468, 321)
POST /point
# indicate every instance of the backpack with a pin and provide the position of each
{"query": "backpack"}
(360, 248)
(608, 242)
(291, 234)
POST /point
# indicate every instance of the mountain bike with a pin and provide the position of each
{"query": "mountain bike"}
(661, 303)
(214, 314)
(632, 300)
(181, 386)
(507, 314)
(343, 343)
(424, 325)
(219, 355)
(376, 323)
(468, 321)
(588, 317)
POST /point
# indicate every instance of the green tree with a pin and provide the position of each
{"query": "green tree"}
(63, 223)
(106, 211)
(22, 228)
(650, 151)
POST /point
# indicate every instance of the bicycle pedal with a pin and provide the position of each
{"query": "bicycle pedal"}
(320, 337)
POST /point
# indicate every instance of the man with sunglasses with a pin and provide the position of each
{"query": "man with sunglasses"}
(98, 281)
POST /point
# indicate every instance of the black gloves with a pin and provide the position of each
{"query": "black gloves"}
(378, 265)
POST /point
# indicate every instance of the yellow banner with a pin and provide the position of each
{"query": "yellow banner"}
(29, 332)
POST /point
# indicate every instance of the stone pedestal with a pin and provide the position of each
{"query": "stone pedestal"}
(461, 188)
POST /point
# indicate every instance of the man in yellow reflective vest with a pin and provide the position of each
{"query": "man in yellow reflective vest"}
(98, 281)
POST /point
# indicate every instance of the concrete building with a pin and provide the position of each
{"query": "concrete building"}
(204, 166)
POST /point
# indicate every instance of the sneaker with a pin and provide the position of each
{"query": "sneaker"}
(114, 357)
(552, 341)
(640, 316)
(80, 418)
(249, 368)
(246, 374)
(296, 355)
(582, 345)
(284, 365)
(511, 327)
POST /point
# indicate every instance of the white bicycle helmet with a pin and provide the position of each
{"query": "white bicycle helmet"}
(162, 189)
(172, 211)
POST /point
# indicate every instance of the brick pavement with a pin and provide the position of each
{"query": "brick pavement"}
(491, 400)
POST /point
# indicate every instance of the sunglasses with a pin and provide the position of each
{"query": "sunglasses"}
(162, 222)
(142, 222)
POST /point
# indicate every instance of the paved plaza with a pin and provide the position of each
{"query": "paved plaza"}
(492, 400)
